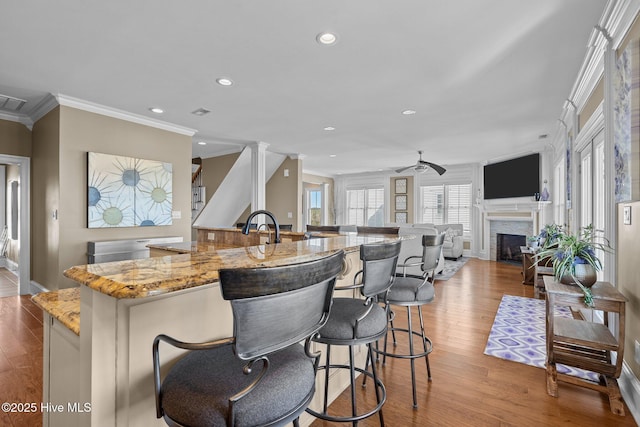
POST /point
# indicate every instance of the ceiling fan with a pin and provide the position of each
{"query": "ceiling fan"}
(422, 165)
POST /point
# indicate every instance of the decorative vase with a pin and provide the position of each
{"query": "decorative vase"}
(585, 273)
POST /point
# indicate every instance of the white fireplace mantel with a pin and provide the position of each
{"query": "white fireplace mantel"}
(508, 211)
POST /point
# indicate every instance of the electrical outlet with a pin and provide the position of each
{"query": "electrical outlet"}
(289, 214)
(637, 352)
(211, 236)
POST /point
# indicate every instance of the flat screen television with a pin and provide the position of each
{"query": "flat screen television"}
(518, 177)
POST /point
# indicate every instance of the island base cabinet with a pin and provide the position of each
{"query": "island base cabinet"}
(105, 375)
(61, 405)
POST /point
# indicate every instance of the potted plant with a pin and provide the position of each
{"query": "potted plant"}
(573, 258)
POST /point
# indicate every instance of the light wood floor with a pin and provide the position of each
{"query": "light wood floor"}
(8, 283)
(468, 387)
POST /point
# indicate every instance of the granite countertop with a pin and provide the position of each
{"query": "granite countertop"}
(159, 275)
(191, 247)
(63, 305)
(142, 278)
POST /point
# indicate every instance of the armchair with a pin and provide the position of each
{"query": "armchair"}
(453, 240)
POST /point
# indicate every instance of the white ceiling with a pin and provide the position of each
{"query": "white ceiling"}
(485, 77)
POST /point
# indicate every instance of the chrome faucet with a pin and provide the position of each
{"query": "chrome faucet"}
(247, 224)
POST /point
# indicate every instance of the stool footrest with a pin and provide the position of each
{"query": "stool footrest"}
(335, 418)
(407, 356)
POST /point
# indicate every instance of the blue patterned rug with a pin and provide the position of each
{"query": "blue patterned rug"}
(518, 334)
(451, 266)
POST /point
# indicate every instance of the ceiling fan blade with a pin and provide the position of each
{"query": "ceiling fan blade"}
(404, 169)
(435, 167)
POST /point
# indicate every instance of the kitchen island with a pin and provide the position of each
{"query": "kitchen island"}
(98, 337)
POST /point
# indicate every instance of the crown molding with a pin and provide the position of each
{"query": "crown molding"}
(18, 118)
(91, 107)
(47, 104)
(612, 28)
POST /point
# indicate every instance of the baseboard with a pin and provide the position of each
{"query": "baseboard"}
(36, 288)
(630, 389)
(10, 265)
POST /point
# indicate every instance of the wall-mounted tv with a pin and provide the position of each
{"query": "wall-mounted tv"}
(518, 177)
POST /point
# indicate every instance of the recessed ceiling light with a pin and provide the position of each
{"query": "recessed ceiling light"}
(202, 143)
(223, 81)
(408, 112)
(326, 38)
(329, 128)
(156, 110)
(332, 155)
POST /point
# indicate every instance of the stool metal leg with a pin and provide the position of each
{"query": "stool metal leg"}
(326, 379)
(412, 359)
(374, 372)
(353, 384)
(424, 342)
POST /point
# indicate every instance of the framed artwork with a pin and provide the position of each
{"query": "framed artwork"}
(401, 217)
(401, 203)
(128, 192)
(401, 185)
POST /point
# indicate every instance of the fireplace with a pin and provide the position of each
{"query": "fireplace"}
(508, 247)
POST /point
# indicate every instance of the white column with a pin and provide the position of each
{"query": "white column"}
(609, 157)
(258, 175)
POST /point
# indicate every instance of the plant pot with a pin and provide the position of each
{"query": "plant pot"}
(585, 273)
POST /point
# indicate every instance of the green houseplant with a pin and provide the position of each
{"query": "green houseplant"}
(573, 257)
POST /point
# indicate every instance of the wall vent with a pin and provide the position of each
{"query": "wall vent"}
(200, 112)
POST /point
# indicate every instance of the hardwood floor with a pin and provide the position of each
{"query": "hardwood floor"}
(8, 283)
(468, 387)
(20, 358)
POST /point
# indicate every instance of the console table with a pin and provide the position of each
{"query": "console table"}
(528, 270)
(583, 344)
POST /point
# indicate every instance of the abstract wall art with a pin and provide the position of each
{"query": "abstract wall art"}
(626, 120)
(128, 192)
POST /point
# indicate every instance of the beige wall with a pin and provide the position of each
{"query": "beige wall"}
(214, 170)
(284, 194)
(628, 277)
(595, 99)
(311, 181)
(60, 177)
(45, 189)
(15, 139)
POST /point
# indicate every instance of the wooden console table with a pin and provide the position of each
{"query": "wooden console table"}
(528, 270)
(583, 344)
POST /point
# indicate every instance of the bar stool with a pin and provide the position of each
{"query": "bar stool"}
(261, 375)
(414, 291)
(356, 321)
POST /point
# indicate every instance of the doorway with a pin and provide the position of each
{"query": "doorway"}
(15, 219)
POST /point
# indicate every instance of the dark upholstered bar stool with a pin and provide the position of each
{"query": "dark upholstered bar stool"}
(356, 321)
(262, 375)
(415, 291)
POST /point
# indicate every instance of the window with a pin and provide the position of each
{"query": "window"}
(314, 210)
(365, 207)
(446, 204)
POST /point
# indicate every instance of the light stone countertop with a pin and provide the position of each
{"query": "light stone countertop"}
(148, 277)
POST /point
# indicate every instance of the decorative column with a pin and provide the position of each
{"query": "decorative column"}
(609, 71)
(258, 175)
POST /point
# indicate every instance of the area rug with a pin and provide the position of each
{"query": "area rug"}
(518, 334)
(451, 266)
